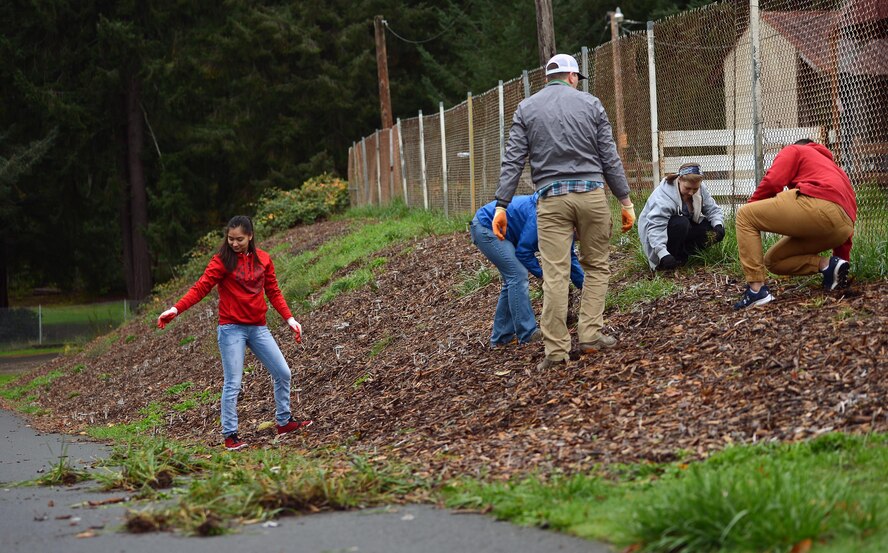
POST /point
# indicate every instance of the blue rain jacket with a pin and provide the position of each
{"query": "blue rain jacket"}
(521, 231)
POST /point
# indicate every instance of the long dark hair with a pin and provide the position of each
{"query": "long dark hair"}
(228, 256)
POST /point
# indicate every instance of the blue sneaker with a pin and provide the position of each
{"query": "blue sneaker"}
(751, 298)
(836, 274)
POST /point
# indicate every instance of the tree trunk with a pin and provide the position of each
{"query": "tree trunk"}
(141, 258)
(4, 277)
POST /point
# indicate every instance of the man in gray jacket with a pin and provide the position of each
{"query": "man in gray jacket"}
(566, 135)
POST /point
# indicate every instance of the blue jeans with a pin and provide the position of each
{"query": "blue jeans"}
(514, 314)
(233, 341)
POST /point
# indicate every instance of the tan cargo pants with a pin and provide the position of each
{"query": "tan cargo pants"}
(808, 225)
(557, 217)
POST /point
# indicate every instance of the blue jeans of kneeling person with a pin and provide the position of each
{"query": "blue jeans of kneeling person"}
(514, 313)
(233, 342)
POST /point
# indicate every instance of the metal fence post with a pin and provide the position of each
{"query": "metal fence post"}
(755, 49)
(585, 55)
(443, 155)
(652, 94)
(364, 171)
(378, 176)
(526, 78)
(39, 324)
(471, 152)
(401, 158)
(502, 123)
(422, 165)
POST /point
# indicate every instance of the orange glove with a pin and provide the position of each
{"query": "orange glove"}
(166, 317)
(499, 223)
(628, 217)
(297, 329)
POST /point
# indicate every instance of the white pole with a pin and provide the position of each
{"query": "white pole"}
(443, 154)
(378, 176)
(502, 123)
(585, 55)
(401, 157)
(755, 49)
(39, 324)
(422, 165)
(526, 78)
(364, 171)
(391, 165)
(652, 88)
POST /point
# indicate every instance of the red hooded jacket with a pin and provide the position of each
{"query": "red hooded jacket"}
(241, 297)
(810, 169)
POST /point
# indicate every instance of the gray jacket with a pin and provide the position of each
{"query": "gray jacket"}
(663, 203)
(565, 133)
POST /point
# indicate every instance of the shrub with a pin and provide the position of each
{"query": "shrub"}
(318, 197)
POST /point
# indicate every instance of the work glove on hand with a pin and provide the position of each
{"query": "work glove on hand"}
(166, 317)
(668, 262)
(719, 233)
(628, 214)
(297, 328)
(499, 223)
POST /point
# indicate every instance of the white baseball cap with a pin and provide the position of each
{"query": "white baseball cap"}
(563, 63)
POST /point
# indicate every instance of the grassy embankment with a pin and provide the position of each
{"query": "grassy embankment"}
(830, 493)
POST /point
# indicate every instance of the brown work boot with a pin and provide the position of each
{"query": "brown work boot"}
(547, 364)
(599, 342)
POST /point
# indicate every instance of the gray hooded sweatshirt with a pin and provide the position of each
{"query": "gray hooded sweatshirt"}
(664, 203)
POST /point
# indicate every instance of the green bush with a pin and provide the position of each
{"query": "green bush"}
(318, 197)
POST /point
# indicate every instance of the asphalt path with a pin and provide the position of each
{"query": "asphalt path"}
(44, 519)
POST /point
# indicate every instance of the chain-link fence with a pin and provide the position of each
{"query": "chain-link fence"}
(727, 86)
(22, 327)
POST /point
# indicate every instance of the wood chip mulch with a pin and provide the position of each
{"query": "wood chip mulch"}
(402, 369)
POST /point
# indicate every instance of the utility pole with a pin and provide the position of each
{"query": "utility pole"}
(385, 98)
(615, 18)
(545, 30)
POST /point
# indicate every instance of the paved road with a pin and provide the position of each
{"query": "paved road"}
(25, 363)
(37, 519)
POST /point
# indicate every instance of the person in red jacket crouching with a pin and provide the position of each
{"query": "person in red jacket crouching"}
(245, 275)
(816, 212)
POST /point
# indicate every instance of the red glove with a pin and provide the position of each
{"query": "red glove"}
(166, 317)
(297, 329)
(499, 223)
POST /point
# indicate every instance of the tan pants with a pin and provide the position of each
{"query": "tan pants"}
(808, 225)
(557, 217)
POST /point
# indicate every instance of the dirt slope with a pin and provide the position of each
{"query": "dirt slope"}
(403, 368)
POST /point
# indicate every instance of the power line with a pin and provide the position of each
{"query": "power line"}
(384, 22)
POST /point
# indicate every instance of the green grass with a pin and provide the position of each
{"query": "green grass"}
(474, 280)
(831, 490)
(380, 345)
(91, 313)
(262, 484)
(178, 388)
(17, 393)
(640, 291)
(5, 379)
(31, 351)
(374, 230)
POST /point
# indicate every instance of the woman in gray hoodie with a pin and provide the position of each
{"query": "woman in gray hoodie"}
(679, 218)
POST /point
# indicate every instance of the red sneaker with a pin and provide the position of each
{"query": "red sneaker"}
(233, 443)
(293, 425)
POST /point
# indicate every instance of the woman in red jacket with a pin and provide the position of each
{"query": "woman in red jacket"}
(245, 275)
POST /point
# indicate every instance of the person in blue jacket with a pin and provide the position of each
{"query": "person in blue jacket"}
(514, 258)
